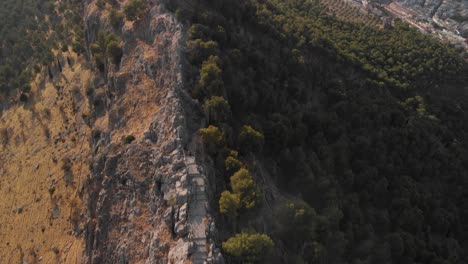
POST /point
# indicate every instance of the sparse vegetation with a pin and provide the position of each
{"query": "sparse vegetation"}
(107, 47)
(66, 165)
(116, 19)
(26, 31)
(129, 139)
(114, 51)
(135, 10)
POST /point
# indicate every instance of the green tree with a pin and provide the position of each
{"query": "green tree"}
(229, 203)
(200, 50)
(251, 139)
(243, 184)
(249, 247)
(212, 137)
(296, 222)
(211, 82)
(232, 164)
(217, 109)
(135, 10)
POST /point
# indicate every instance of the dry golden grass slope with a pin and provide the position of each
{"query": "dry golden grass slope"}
(43, 163)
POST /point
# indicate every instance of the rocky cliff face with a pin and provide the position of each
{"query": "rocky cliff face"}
(148, 200)
(83, 190)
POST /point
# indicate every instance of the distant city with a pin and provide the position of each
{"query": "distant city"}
(423, 18)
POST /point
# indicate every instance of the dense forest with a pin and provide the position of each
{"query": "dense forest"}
(364, 131)
(32, 32)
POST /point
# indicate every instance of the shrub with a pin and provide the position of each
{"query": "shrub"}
(135, 10)
(64, 47)
(26, 88)
(94, 48)
(66, 164)
(114, 51)
(23, 98)
(77, 47)
(99, 60)
(129, 139)
(116, 19)
(248, 247)
(104, 39)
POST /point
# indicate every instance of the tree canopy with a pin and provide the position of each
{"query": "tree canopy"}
(249, 247)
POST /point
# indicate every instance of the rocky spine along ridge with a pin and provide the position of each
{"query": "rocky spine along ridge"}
(148, 200)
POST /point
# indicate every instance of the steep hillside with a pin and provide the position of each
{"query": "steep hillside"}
(141, 192)
(97, 159)
(335, 142)
(44, 151)
(226, 131)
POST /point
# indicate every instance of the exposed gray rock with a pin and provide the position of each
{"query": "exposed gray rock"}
(183, 212)
(178, 165)
(146, 184)
(169, 216)
(150, 135)
(182, 196)
(181, 228)
(180, 252)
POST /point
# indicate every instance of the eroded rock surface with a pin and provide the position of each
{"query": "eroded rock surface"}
(147, 199)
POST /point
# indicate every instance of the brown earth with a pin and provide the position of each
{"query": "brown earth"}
(43, 165)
